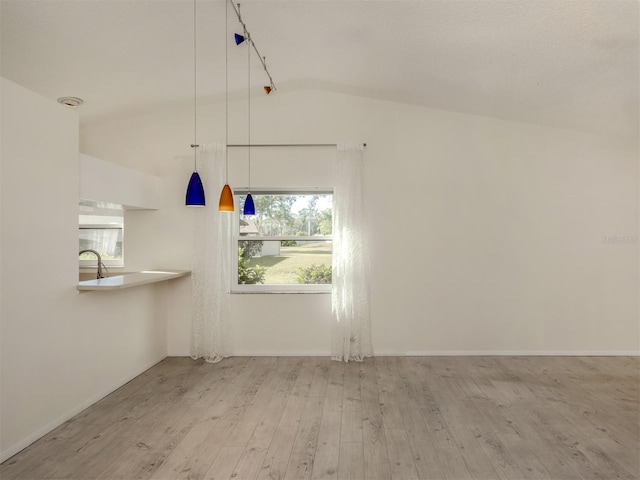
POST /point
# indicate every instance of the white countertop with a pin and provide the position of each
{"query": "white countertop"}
(132, 279)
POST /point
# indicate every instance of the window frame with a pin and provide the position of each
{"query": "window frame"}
(118, 262)
(262, 288)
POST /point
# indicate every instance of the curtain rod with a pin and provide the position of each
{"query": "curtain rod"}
(287, 145)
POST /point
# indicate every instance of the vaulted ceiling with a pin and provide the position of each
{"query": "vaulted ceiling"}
(562, 63)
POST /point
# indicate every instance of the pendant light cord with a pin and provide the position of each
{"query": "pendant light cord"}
(226, 92)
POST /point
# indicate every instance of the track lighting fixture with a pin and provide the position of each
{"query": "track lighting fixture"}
(267, 88)
(247, 36)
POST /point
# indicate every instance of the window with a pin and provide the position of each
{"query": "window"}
(286, 247)
(101, 228)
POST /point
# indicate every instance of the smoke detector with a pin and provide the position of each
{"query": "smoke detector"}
(71, 102)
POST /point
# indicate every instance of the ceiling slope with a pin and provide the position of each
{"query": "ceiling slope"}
(567, 64)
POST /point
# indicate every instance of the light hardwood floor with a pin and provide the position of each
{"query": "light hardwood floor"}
(388, 418)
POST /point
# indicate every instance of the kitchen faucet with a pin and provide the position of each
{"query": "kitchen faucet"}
(99, 261)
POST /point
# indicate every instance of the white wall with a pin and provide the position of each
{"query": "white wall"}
(60, 350)
(512, 220)
(486, 234)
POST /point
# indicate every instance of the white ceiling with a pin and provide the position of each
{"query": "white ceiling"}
(562, 63)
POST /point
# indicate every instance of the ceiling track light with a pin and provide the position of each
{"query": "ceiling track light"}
(249, 39)
(268, 88)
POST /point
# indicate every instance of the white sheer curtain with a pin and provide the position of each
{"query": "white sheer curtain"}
(210, 337)
(351, 331)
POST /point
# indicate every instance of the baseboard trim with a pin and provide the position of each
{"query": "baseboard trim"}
(281, 354)
(41, 432)
(453, 353)
(513, 353)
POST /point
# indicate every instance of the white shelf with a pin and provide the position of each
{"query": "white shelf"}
(132, 279)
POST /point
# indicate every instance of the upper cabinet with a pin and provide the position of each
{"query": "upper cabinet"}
(108, 182)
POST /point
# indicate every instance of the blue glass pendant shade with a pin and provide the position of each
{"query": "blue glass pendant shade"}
(249, 207)
(238, 38)
(195, 191)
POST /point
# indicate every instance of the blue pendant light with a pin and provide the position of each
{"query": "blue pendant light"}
(238, 38)
(249, 207)
(195, 189)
